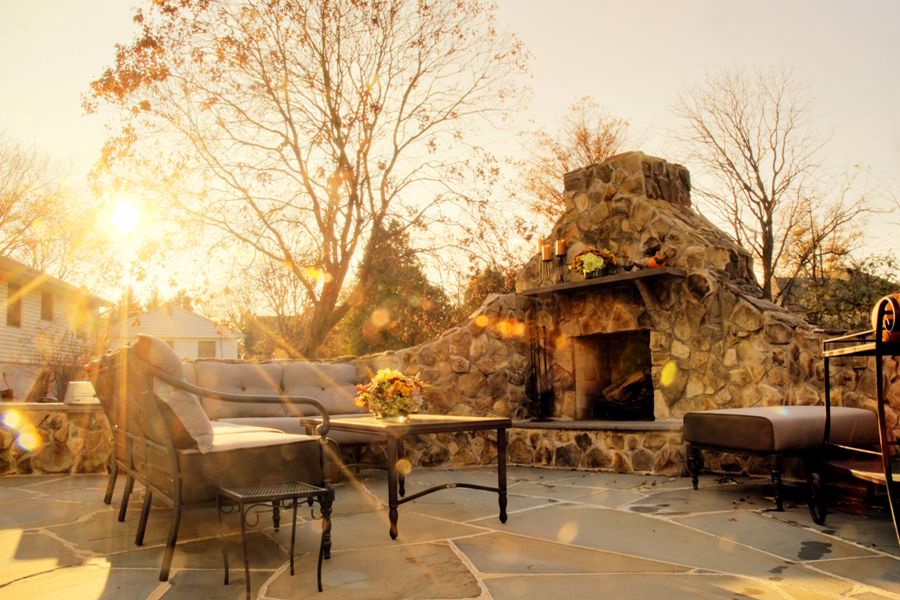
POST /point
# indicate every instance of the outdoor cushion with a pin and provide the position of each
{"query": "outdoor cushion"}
(331, 384)
(250, 379)
(779, 428)
(188, 423)
(190, 373)
(292, 425)
(224, 428)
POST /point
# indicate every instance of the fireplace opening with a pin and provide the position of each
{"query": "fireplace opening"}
(612, 377)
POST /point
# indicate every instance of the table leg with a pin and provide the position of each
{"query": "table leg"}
(393, 502)
(293, 532)
(222, 535)
(326, 505)
(325, 501)
(777, 483)
(401, 477)
(501, 472)
(244, 544)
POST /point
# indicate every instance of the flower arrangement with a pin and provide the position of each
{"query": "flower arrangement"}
(592, 262)
(390, 393)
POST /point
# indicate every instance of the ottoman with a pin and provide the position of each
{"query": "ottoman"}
(773, 431)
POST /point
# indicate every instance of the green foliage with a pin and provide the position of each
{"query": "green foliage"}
(846, 301)
(402, 309)
(482, 283)
(268, 337)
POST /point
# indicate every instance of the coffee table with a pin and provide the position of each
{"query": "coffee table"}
(394, 433)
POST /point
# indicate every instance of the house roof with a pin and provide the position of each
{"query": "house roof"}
(174, 322)
(21, 272)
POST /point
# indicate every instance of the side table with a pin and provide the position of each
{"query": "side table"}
(291, 493)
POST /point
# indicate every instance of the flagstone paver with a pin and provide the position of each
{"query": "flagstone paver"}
(502, 553)
(430, 570)
(775, 537)
(570, 534)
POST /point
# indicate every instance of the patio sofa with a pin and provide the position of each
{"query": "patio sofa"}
(330, 384)
(166, 441)
(333, 385)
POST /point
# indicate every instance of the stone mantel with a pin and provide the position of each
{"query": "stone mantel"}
(609, 280)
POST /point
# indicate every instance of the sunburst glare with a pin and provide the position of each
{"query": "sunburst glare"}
(125, 217)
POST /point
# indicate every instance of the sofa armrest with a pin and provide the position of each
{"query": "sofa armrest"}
(321, 429)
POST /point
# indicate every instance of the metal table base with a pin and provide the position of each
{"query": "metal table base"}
(291, 494)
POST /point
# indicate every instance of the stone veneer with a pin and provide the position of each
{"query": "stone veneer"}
(44, 439)
(713, 342)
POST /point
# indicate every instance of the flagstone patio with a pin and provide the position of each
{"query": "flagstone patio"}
(570, 535)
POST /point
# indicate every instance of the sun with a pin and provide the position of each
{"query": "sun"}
(125, 217)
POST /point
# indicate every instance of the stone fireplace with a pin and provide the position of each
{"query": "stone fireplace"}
(683, 331)
(573, 349)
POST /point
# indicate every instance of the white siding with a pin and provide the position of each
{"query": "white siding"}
(187, 347)
(24, 349)
(183, 330)
(19, 344)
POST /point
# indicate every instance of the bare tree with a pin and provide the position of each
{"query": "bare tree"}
(43, 222)
(588, 136)
(29, 199)
(297, 128)
(753, 140)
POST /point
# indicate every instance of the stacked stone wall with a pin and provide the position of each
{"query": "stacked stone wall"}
(45, 439)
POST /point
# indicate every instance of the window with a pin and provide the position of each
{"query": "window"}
(206, 349)
(13, 304)
(46, 306)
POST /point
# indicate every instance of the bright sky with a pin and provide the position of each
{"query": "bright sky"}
(632, 57)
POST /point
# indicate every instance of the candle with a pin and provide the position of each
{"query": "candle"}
(546, 252)
(540, 245)
(560, 247)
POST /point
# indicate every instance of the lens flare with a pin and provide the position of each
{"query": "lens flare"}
(667, 374)
(567, 533)
(13, 419)
(125, 217)
(317, 274)
(404, 467)
(511, 328)
(29, 440)
(482, 321)
(380, 318)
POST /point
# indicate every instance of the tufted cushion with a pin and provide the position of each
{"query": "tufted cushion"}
(250, 379)
(185, 418)
(334, 385)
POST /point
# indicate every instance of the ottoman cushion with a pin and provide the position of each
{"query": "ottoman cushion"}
(779, 428)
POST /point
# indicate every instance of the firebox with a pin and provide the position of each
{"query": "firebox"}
(612, 376)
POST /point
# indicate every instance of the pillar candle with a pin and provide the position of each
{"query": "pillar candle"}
(560, 247)
(546, 252)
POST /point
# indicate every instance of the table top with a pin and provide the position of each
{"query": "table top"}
(418, 423)
(272, 491)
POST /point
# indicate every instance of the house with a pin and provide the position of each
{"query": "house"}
(189, 334)
(49, 329)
